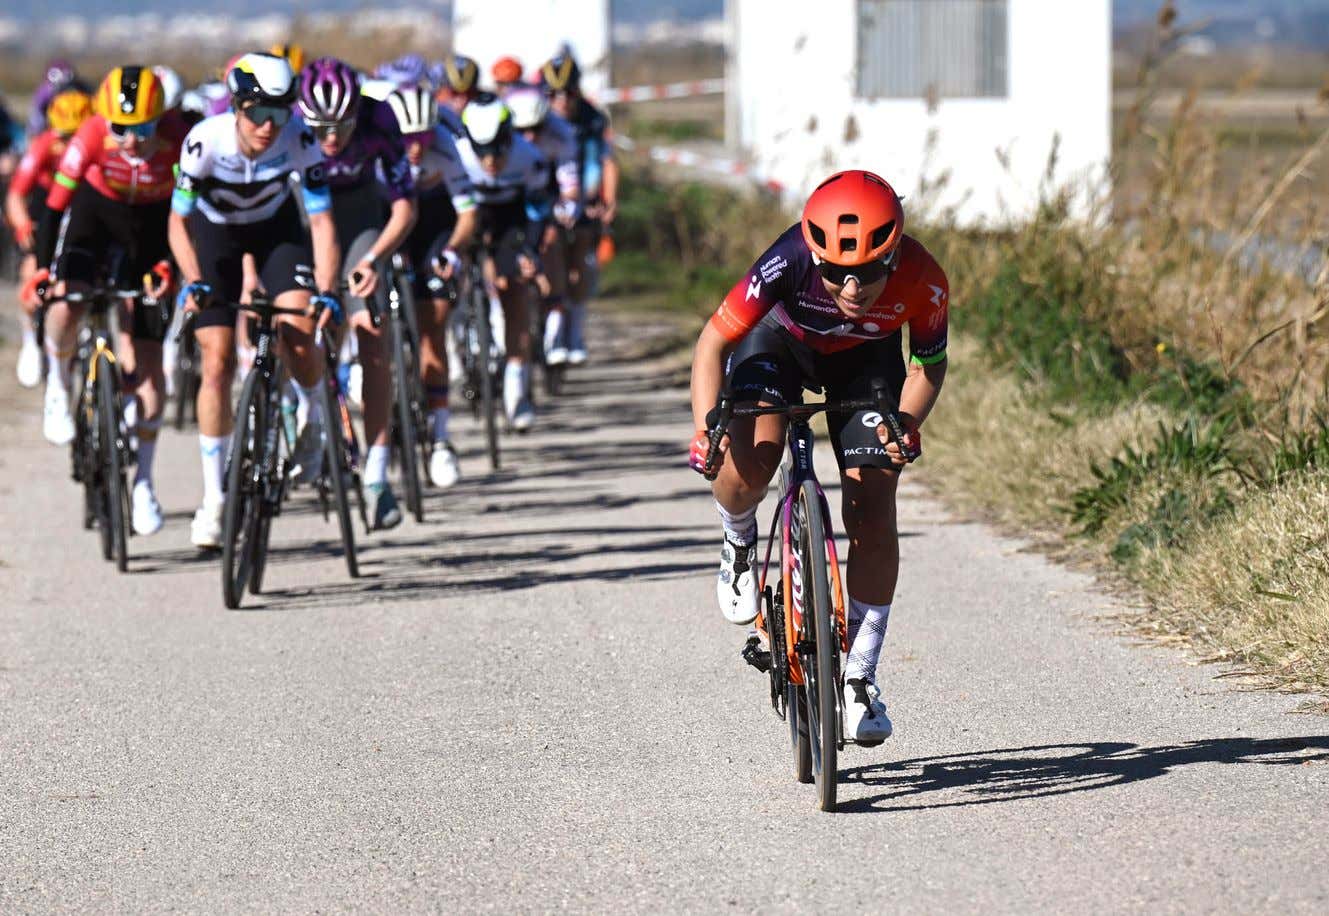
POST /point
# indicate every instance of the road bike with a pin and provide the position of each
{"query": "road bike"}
(410, 428)
(101, 451)
(186, 376)
(481, 358)
(802, 631)
(340, 474)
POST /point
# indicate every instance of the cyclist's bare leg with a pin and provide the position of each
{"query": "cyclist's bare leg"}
(756, 446)
(304, 360)
(433, 317)
(515, 297)
(869, 519)
(553, 255)
(375, 365)
(216, 346)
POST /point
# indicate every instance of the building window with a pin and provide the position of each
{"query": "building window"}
(932, 48)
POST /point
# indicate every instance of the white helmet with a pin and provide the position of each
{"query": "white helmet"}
(529, 107)
(488, 123)
(415, 107)
(173, 88)
(265, 78)
(378, 90)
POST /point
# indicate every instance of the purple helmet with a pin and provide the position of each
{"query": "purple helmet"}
(329, 91)
(408, 70)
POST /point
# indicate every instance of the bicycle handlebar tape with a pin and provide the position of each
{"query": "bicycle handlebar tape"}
(725, 410)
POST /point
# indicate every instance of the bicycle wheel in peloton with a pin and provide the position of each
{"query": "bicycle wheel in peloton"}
(335, 467)
(405, 415)
(114, 491)
(83, 461)
(244, 471)
(183, 380)
(488, 395)
(821, 663)
(272, 414)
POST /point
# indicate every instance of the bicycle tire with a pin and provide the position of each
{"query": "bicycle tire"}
(820, 666)
(488, 396)
(112, 462)
(183, 380)
(243, 497)
(83, 461)
(407, 414)
(336, 469)
(272, 414)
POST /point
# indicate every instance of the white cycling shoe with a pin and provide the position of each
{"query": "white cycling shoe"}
(736, 587)
(307, 456)
(57, 424)
(206, 528)
(556, 356)
(30, 363)
(576, 356)
(865, 718)
(147, 512)
(444, 471)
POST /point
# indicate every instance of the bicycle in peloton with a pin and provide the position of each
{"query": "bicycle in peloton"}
(101, 451)
(802, 632)
(410, 426)
(471, 325)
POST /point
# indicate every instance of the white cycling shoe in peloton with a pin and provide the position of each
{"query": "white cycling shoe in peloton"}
(576, 356)
(57, 424)
(147, 512)
(30, 362)
(444, 470)
(736, 588)
(206, 528)
(307, 456)
(865, 718)
(556, 356)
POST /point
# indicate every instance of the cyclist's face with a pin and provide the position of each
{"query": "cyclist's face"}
(415, 151)
(563, 104)
(258, 137)
(493, 163)
(854, 298)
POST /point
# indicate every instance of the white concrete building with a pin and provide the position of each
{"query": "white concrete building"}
(532, 31)
(972, 92)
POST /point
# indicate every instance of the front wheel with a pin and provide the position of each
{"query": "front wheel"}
(112, 447)
(488, 389)
(241, 519)
(336, 469)
(820, 647)
(407, 407)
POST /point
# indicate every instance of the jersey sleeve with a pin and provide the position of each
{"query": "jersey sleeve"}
(392, 154)
(928, 321)
(458, 181)
(312, 172)
(191, 171)
(79, 156)
(770, 282)
(31, 165)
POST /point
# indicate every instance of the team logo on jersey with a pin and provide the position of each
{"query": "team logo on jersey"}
(773, 268)
(185, 182)
(754, 289)
(194, 147)
(872, 419)
(938, 295)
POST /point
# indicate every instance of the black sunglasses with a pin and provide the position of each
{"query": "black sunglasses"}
(142, 131)
(258, 115)
(865, 274)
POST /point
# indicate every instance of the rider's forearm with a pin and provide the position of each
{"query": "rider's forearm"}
(921, 388)
(707, 374)
(16, 212)
(465, 228)
(400, 220)
(609, 180)
(327, 253)
(182, 249)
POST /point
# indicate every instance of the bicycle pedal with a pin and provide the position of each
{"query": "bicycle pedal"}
(755, 655)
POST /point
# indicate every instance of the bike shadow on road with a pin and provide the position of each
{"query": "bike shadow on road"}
(1016, 774)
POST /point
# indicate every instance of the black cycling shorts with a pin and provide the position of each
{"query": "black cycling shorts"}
(505, 233)
(111, 241)
(772, 367)
(281, 251)
(427, 240)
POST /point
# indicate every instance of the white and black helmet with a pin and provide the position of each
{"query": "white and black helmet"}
(529, 107)
(488, 123)
(415, 107)
(264, 78)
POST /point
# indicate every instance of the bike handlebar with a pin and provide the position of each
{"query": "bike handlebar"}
(881, 400)
(259, 304)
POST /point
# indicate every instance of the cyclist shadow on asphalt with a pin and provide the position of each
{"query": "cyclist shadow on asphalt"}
(1014, 774)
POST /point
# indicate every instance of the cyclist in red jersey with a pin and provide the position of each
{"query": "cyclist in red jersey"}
(824, 308)
(25, 200)
(115, 180)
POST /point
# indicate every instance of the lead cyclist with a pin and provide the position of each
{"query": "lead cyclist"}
(824, 307)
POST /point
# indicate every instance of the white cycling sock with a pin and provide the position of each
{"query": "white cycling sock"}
(58, 370)
(553, 328)
(147, 448)
(376, 464)
(514, 386)
(741, 528)
(440, 417)
(867, 631)
(29, 335)
(212, 450)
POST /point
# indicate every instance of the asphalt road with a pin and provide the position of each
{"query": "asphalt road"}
(530, 703)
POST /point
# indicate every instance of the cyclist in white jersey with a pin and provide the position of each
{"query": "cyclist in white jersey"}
(510, 178)
(557, 141)
(233, 199)
(447, 222)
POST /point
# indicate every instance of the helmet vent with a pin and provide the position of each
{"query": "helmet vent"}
(818, 234)
(882, 234)
(850, 244)
(848, 219)
(834, 178)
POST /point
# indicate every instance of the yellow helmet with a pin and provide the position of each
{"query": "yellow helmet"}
(68, 110)
(130, 96)
(294, 54)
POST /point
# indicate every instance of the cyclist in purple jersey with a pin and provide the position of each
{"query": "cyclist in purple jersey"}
(359, 138)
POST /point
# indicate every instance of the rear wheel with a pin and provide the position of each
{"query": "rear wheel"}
(336, 470)
(112, 449)
(244, 491)
(486, 371)
(407, 409)
(820, 659)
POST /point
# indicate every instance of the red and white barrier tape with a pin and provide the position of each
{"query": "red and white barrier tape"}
(664, 91)
(688, 159)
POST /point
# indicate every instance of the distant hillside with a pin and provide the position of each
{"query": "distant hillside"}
(1237, 23)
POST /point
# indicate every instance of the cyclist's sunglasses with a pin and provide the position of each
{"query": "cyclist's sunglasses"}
(340, 128)
(142, 131)
(865, 274)
(260, 114)
(497, 150)
(423, 137)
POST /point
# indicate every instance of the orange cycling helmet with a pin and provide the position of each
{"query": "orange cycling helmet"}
(294, 54)
(68, 110)
(506, 70)
(853, 218)
(130, 96)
